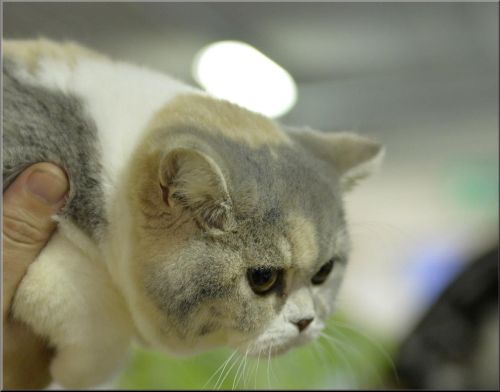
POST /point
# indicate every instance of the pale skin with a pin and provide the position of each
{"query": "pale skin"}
(28, 205)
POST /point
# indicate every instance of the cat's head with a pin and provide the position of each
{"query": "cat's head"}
(238, 229)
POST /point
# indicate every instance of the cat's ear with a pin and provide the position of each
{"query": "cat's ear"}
(191, 179)
(354, 157)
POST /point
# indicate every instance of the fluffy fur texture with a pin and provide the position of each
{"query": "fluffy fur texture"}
(174, 197)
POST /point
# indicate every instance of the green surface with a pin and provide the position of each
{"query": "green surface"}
(348, 358)
(473, 183)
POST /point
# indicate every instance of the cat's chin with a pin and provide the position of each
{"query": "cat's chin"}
(273, 347)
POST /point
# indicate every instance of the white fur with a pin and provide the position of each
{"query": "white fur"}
(119, 97)
(69, 292)
(281, 334)
(73, 292)
(67, 297)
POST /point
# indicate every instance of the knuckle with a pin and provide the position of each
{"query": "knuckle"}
(22, 232)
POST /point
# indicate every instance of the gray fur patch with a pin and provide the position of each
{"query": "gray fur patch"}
(182, 288)
(265, 186)
(43, 126)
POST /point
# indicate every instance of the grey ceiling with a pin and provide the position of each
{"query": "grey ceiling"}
(374, 66)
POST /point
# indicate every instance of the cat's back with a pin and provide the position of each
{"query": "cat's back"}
(74, 107)
(44, 125)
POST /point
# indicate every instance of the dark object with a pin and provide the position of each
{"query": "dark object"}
(455, 345)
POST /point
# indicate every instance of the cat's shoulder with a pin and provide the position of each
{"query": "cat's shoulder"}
(71, 67)
(31, 52)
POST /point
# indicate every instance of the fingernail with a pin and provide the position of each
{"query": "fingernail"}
(49, 185)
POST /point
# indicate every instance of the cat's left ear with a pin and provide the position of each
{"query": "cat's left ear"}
(353, 157)
(192, 180)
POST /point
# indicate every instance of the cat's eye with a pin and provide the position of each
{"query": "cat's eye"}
(323, 272)
(263, 280)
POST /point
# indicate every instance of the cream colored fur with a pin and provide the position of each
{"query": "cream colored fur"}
(88, 298)
(67, 297)
(68, 294)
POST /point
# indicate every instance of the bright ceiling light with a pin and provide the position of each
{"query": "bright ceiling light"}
(241, 74)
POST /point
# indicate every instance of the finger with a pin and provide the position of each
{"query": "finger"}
(28, 205)
(26, 358)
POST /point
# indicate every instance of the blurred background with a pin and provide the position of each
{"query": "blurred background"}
(420, 77)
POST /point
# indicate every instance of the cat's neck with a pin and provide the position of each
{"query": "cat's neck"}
(121, 99)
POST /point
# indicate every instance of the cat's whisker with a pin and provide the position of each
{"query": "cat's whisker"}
(251, 368)
(377, 345)
(272, 372)
(377, 235)
(335, 354)
(315, 347)
(246, 376)
(328, 357)
(372, 368)
(229, 371)
(219, 369)
(352, 347)
(245, 367)
(375, 227)
(219, 381)
(238, 375)
(257, 370)
(268, 362)
(237, 372)
(338, 350)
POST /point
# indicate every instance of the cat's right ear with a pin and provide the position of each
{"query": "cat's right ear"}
(192, 180)
(352, 157)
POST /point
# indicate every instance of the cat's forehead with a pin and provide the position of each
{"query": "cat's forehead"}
(217, 117)
(294, 204)
(293, 222)
(303, 239)
(300, 241)
(289, 201)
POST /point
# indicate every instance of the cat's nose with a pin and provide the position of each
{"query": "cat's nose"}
(302, 324)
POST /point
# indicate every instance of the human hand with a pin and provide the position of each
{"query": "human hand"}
(28, 205)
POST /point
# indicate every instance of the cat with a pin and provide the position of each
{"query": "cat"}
(190, 223)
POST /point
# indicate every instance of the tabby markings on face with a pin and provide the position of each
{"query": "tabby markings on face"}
(231, 213)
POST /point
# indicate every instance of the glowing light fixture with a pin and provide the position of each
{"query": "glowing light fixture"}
(241, 74)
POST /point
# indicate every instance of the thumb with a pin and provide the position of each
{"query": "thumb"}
(28, 205)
